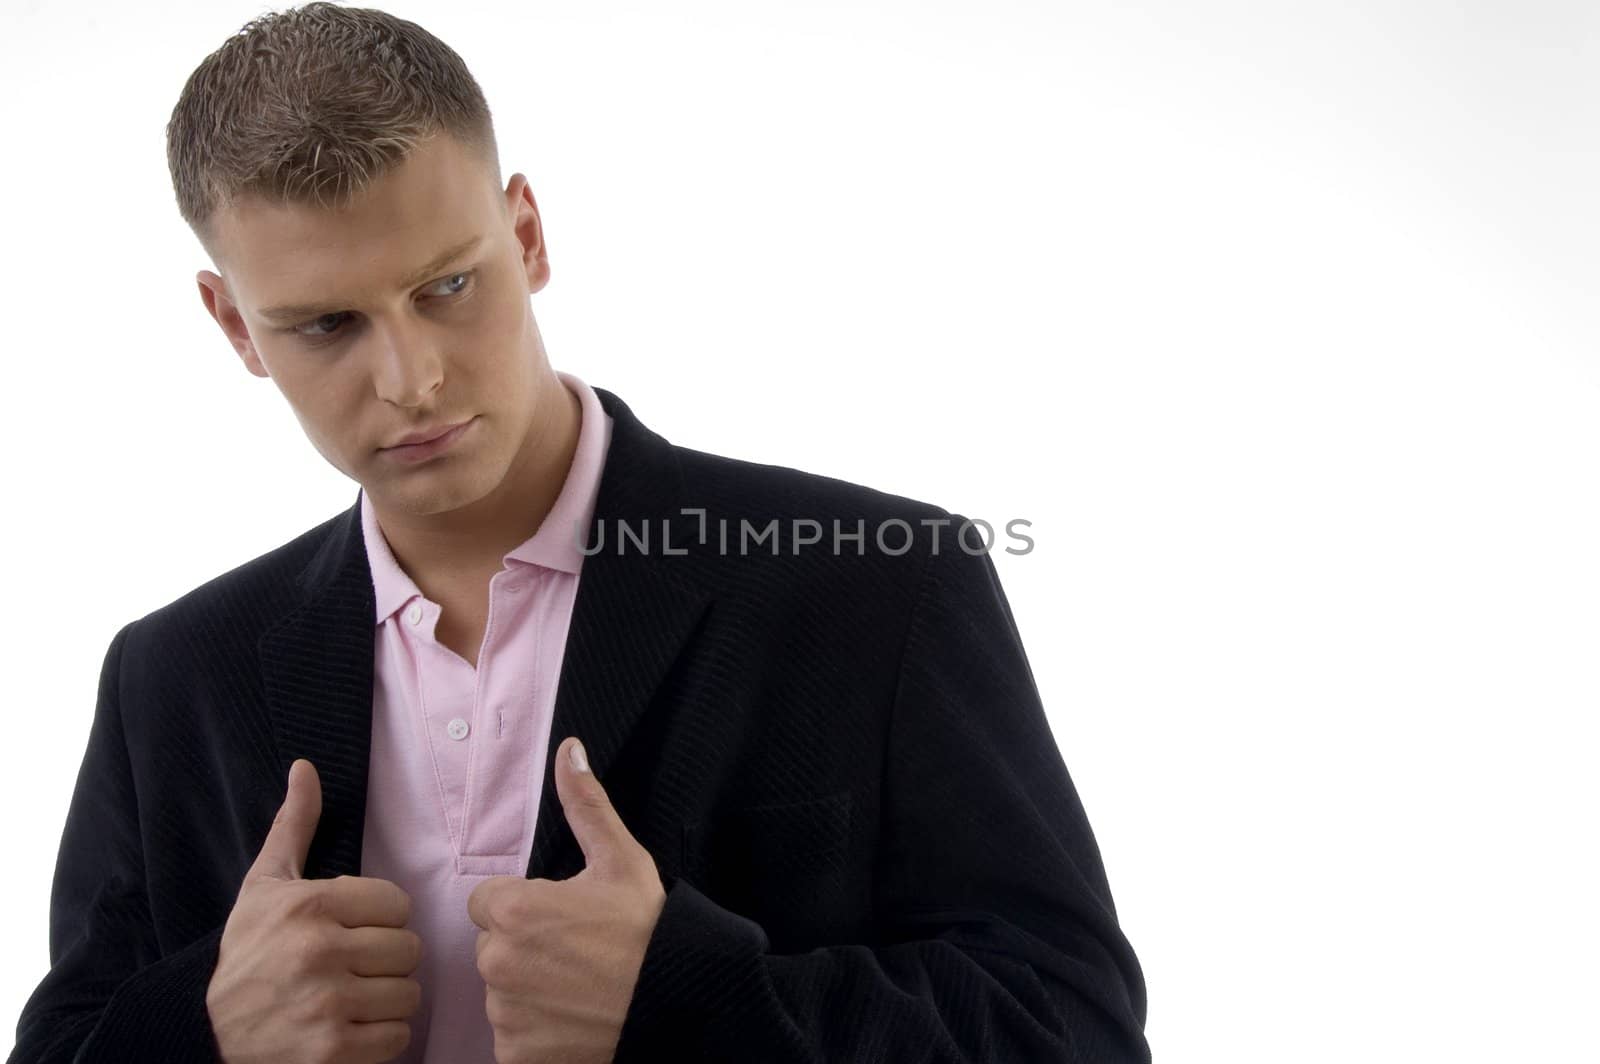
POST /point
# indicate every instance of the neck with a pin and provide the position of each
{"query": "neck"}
(470, 543)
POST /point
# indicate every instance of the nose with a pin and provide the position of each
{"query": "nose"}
(406, 364)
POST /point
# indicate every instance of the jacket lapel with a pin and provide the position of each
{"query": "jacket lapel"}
(316, 670)
(631, 619)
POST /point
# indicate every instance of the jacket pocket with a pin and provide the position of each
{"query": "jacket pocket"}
(784, 865)
(791, 836)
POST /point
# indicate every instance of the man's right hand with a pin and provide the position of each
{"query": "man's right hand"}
(312, 971)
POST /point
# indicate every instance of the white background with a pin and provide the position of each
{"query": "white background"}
(1275, 319)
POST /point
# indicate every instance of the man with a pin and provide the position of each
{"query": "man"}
(562, 743)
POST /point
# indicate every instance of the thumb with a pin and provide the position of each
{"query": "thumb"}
(283, 854)
(596, 825)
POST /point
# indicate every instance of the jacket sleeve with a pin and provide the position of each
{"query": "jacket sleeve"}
(997, 939)
(110, 996)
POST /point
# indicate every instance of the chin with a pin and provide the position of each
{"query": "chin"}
(442, 491)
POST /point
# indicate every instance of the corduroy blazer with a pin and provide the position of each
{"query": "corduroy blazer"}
(871, 846)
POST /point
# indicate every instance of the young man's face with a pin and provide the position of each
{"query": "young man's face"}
(372, 335)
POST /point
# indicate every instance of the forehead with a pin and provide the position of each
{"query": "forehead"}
(436, 198)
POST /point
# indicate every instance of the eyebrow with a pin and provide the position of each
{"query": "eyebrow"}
(294, 312)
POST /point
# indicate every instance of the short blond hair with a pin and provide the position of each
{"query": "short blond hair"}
(310, 104)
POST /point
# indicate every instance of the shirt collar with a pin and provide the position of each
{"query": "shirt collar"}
(556, 543)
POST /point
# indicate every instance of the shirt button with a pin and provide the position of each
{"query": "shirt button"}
(457, 728)
(414, 614)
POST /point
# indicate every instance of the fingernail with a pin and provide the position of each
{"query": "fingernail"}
(579, 761)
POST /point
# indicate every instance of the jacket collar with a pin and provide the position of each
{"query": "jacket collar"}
(631, 619)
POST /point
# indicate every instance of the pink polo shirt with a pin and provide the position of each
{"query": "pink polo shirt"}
(458, 752)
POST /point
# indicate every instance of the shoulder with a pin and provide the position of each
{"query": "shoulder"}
(802, 541)
(735, 484)
(232, 608)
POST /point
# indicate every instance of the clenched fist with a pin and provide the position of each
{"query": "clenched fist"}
(312, 971)
(560, 959)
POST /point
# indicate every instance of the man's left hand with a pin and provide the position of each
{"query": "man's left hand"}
(560, 958)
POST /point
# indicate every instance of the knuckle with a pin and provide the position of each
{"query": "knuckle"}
(522, 907)
(414, 951)
(494, 1011)
(403, 903)
(490, 963)
(327, 1046)
(511, 910)
(307, 946)
(304, 902)
(327, 1002)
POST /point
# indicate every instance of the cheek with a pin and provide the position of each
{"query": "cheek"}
(290, 371)
(504, 310)
(320, 401)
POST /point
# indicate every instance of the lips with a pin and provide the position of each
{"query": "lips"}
(424, 435)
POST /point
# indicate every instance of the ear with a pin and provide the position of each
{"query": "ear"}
(524, 215)
(214, 294)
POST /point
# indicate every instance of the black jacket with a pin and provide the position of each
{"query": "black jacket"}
(871, 846)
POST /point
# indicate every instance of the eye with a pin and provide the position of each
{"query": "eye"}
(465, 277)
(456, 284)
(312, 334)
